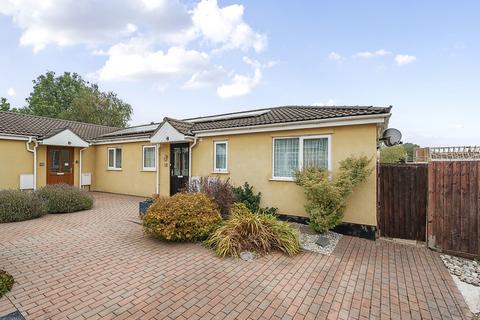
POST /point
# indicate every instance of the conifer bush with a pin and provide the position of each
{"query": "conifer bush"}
(326, 195)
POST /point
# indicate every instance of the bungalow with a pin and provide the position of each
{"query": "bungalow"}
(262, 147)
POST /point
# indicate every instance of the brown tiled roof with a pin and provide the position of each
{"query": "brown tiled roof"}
(29, 125)
(284, 115)
(252, 118)
(183, 127)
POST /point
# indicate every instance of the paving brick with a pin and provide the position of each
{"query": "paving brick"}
(97, 264)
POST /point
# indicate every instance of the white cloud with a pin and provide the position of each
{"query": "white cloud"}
(335, 56)
(89, 22)
(206, 78)
(371, 54)
(225, 26)
(241, 85)
(404, 59)
(11, 92)
(137, 60)
(146, 39)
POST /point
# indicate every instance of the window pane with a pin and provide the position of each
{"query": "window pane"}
(221, 156)
(149, 157)
(54, 160)
(118, 158)
(315, 153)
(285, 155)
(177, 161)
(110, 158)
(65, 161)
(185, 161)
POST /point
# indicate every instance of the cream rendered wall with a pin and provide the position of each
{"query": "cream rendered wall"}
(164, 162)
(14, 160)
(88, 165)
(250, 159)
(130, 179)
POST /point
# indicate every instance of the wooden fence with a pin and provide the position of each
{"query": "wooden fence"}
(454, 207)
(402, 200)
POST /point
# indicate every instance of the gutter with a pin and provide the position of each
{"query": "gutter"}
(34, 151)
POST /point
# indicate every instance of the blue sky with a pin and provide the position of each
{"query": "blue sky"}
(188, 58)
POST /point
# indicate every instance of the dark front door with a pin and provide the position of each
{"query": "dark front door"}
(178, 167)
(59, 165)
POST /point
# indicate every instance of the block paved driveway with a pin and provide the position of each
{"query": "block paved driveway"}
(97, 264)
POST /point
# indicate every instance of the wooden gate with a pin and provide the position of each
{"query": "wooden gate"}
(454, 207)
(402, 200)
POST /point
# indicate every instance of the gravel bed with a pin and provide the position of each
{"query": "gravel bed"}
(466, 270)
(308, 238)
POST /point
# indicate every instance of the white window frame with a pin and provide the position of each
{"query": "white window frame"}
(300, 153)
(114, 158)
(154, 168)
(215, 169)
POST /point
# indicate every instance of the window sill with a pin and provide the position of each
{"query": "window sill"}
(220, 172)
(149, 170)
(282, 179)
(114, 169)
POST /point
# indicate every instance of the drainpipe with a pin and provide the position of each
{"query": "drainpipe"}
(80, 168)
(34, 151)
(157, 165)
(190, 159)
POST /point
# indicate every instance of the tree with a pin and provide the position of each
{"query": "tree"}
(410, 149)
(4, 104)
(70, 97)
(395, 154)
(93, 106)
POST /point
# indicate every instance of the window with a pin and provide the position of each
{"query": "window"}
(149, 158)
(114, 158)
(290, 154)
(220, 156)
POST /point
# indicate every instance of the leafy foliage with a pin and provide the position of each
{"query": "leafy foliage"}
(16, 205)
(94, 106)
(244, 194)
(395, 154)
(261, 233)
(4, 104)
(410, 149)
(63, 198)
(182, 217)
(70, 97)
(220, 190)
(6, 282)
(326, 197)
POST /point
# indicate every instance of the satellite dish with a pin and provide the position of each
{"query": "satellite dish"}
(391, 137)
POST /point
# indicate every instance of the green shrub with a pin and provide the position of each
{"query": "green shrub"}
(326, 197)
(6, 282)
(63, 198)
(244, 194)
(182, 217)
(261, 233)
(16, 205)
(220, 190)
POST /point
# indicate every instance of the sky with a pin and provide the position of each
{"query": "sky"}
(189, 58)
